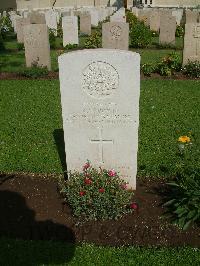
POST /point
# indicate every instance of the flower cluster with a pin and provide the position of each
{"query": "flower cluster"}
(98, 194)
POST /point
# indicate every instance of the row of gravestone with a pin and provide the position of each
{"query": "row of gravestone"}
(36, 39)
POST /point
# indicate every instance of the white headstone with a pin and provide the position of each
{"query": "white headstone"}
(51, 20)
(70, 30)
(191, 50)
(36, 43)
(100, 108)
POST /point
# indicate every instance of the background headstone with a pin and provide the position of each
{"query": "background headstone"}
(100, 109)
(155, 20)
(191, 16)
(70, 30)
(36, 18)
(167, 29)
(20, 23)
(191, 50)
(85, 23)
(115, 35)
(36, 43)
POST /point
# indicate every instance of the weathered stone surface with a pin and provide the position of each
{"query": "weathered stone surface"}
(36, 18)
(192, 16)
(20, 23)
(155, 20)
(36, 43)
(191, 50)
(70, 30)
(100, 108)
(167, 29)
(115, 35)
(85, 23)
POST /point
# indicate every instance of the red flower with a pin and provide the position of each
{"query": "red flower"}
(101, 190)
(82, 193)
(124, 186)
(134, 206)
(86, 166)
(88, 181)
(112, 172)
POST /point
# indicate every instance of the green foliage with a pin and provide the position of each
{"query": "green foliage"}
(184, 197)
(97, 194)
(53, 253)
(70, 46)
(20, 46)
(131, 18)
(93, 41)
(34, 72)
(169, 65)
(147, 69)
(179, 31)
(140, 35)
(165, 46)
(154, 33)
(192, 69)
(52, 39)
(2, 47)
(5, 26)
(59, 29)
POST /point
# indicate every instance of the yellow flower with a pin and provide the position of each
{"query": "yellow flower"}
(184, 139)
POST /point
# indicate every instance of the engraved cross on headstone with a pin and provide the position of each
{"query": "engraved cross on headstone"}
(101, 141)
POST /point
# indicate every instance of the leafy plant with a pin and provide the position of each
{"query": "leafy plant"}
(184, 199)
(2, 47)
(131, 18)
(97, 194)
(5, 26)
(179, 31)
(147, 69)
(34, 72)
(192, 69)
(52, 39)
(169, 65)
(140, 35)
(154, 33)
(93, 41)
(20, 46)
(70, 46)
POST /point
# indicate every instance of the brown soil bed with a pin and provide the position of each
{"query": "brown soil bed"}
(55, 75)
(32, 208)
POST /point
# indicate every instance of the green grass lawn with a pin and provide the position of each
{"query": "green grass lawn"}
(31, 119)
(14, 61)
(37, 253)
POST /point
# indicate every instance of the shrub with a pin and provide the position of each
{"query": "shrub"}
(131, 18)
(154, 33)
(52, 39)
(5, 26)
(20, 46)
(97, 194)
(70, 46)
(34, 72)
(93, 41)
(192, 69)
(147, 69)
(2, 47)
(169, 65)
(184, 199)
(59, 29)
(140, 35)
(179, 31)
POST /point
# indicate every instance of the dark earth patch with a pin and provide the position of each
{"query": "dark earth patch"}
(32, 208)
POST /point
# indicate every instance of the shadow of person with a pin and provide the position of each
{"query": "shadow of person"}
(18, 221)
(58, 135)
